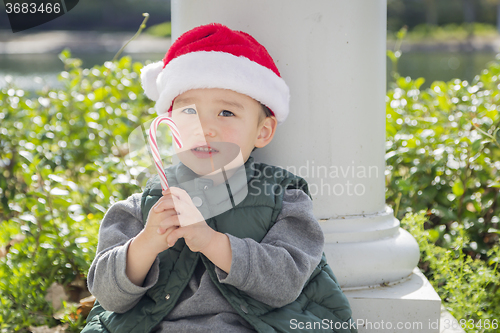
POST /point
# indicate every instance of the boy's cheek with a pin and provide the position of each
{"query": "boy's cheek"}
(231, 134)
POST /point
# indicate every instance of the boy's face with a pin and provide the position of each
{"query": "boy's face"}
(223, 119)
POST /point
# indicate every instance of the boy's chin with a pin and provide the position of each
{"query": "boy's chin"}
(201, 167)
(207, 171)
(211, 169)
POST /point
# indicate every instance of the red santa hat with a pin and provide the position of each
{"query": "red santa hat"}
(214, 56)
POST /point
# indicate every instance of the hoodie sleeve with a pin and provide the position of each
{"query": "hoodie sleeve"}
(107, 279)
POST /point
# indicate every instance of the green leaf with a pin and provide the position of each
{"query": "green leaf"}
(419, 82)
(402, 32)
(105, 191)
(476, 145)
(74, 82)
(65, 54)
(58, 191)
(433, 235)
(100, 93)
(493, 231)
(27, 155)
(458, 188)
(391, 56)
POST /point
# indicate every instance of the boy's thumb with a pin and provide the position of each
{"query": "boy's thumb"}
(174, 236)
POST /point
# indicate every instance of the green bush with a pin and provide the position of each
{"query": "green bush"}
(60, 172)
(443, 157)
(443, 154)
(468, 287)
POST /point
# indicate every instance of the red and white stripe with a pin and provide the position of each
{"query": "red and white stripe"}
(154, 146)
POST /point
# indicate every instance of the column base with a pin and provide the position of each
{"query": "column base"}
(369, 249)
(409, 306)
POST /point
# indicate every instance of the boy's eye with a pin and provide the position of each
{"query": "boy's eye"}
(226, 113)
(189, 111)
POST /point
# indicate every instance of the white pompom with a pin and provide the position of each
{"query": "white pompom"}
(149, 75)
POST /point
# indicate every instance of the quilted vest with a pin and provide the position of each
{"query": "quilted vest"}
(321, 306)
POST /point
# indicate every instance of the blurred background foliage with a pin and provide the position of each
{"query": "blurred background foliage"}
(443, 153)
(60, 171)
(443, 181)
(447, 32)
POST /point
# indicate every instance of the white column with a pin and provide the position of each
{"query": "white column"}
(332, 54)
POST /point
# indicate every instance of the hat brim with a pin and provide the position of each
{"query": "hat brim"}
(212, 69)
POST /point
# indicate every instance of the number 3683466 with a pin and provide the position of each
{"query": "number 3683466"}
(32, 8)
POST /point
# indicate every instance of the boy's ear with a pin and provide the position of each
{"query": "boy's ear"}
(266, 131)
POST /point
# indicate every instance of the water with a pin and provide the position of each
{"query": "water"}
(32, 71)
(442, 66)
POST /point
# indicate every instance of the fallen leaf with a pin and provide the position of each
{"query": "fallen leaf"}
(56, 295)
(86, 305)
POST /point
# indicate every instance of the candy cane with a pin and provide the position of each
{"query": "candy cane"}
(154, 146)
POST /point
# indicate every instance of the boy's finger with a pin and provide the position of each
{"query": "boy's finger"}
(164, 203)
(167, 213)
(162, 230)
(161, 216)
(174, 236)
(170, 221)
(179, 193)
(171, 194)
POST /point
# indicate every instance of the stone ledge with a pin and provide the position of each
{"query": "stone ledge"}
(409, 306)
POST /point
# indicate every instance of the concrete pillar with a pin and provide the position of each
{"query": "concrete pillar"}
(332, 54)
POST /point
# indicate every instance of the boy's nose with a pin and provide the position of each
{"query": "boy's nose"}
(208, 129)
(209, 133)
(208, 125)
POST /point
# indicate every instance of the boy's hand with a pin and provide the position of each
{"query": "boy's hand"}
(175, 216)
(162, 220)
(187, 213)
(193, 227)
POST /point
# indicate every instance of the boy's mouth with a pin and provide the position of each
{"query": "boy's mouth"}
(204, 151)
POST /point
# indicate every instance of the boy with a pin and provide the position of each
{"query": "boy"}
(166, 263)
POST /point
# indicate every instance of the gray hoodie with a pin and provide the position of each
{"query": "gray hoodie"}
(272, 271)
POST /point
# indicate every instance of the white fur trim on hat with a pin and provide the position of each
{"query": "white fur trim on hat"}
(149, 74)
(212, 69)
